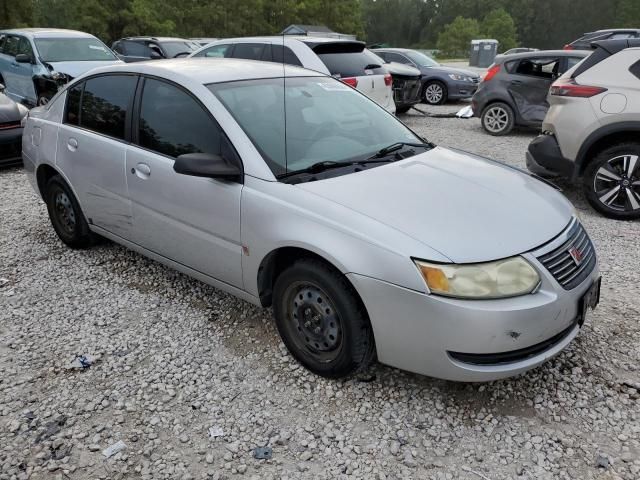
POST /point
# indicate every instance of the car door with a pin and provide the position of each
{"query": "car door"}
(191, 220)
(18, 77)
(529, 86)
(91, 150)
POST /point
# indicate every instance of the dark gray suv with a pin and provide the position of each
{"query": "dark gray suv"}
(514, 89)
(439, 83)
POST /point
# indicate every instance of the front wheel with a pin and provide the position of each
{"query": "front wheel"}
(612, 181)
(497, 119)
(65, 214)
(321, 320)
(434, 93)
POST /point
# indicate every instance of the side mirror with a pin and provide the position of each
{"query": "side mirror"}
(23, 58)
(155, 55)
(206, 165)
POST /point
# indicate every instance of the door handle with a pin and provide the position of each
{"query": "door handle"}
(72, 144)
(142, 170)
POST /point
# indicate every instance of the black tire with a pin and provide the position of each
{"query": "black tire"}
(321, 319)
(611, 181)
(434, 99)
(497, 119)
(403, 109)
(65, 214)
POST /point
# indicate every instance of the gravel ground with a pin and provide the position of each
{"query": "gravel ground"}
(172, 358)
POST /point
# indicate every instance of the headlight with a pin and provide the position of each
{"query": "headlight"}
(459, 78)
(504, 278)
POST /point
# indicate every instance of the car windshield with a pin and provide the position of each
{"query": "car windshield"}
(325, 121)
(174, 48)
(421, 59)
(73, 50)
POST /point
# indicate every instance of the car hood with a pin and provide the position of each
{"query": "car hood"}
(447, 70)
(9, 110)
(395, 68)
(468, 208)
(75, 69)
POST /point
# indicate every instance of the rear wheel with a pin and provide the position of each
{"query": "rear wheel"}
(434, 93)
(65, 214)
(612, 181)
(321, 320)
(497, 118)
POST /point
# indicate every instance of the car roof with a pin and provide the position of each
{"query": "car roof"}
(158, 39)
(300, 38)
(47, 32)
(545, 53)
(614, 30)
(210, 70)
(393, 49)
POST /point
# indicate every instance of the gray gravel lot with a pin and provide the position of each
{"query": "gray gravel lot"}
(173, 357)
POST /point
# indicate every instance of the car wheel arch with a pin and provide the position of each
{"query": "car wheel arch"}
(44, 173)
(602, 138)
(278, 259)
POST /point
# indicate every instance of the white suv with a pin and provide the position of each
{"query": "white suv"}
(346, 60)
(592, 130)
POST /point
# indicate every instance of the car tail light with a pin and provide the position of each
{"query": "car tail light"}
(493, 70)
(568, 47)
(568, 87)
(387, 79)
(351, 81)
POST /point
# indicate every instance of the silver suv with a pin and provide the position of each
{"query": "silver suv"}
(591, 131)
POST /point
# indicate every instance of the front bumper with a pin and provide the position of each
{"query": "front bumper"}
(459, 90)
(545, 158)
(10, 146)
(436, 336)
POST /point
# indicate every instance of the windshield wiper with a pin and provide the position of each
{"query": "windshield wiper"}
(394, 147)
(325, 165)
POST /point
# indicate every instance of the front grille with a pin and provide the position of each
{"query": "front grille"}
(570, 270)
(406, 90)
(514, 355)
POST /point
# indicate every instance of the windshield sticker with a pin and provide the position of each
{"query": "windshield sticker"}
(334, 86)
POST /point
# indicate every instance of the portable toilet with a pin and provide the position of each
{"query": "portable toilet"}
(487, 52)
(475, 53)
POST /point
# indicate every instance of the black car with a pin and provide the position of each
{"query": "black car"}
(514, 89)
(11, 115)
(138, 49)
(439, 83)
(585, 41)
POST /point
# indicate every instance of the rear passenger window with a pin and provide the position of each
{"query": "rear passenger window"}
(217, 51)
(539, 67)
(249, 51)
(72, 115)
(11, 46)
(281, 54)
(135, 49)
(635, 69)
(173, 123)
(105, 102)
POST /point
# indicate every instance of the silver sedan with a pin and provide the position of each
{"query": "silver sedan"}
(292, 190)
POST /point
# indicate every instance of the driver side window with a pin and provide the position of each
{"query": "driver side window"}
(547, 68)
(24, 47)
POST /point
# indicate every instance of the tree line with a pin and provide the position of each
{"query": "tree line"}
(443, 24)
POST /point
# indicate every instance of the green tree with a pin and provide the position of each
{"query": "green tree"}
(498, 24)
(16, 13)
(456, 37)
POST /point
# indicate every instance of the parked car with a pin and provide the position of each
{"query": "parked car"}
(406, 84)
(592, 130)
(202, 41)
(139, 49)
(347, 60)
(320, 207)
(514, 90)
(12, 117)
(520, 50)
(585, 41)
(35, 62)
(439, 83)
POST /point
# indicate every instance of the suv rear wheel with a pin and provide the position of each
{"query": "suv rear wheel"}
(497, 118)
(612, 181)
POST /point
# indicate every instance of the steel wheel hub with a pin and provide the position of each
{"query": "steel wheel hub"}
(617, 183)
(496, 119)
(315, 319)
(64, 210)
